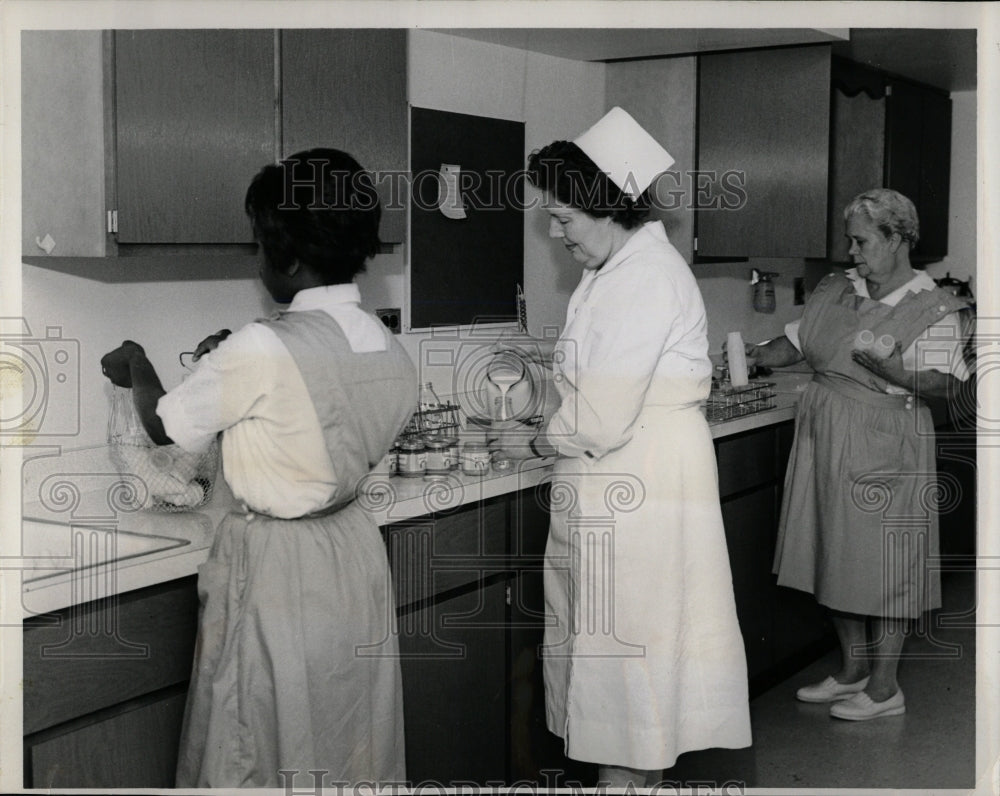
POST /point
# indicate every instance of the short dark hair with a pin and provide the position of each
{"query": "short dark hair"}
(565, 171)
(317, 207)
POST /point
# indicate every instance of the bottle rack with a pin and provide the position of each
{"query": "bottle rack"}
(726, 402)
(440, 421)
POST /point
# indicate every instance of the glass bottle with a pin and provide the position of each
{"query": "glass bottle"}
(430, 410)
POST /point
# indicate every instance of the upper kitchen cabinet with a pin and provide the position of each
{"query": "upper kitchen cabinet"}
(194, 121)
(63, 159)
(763, 152)
(143, 142)
(346, 89)
(894, 133)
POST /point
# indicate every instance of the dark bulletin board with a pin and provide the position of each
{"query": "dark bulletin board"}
(466, 270)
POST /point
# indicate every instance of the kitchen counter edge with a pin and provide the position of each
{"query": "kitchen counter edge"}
(388, 499)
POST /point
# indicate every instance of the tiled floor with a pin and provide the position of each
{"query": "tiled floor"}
(931, 746)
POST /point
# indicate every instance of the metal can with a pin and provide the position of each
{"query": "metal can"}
(439, 455)
(412, 458)
(475, 458)
(388, 464)
(501, 462)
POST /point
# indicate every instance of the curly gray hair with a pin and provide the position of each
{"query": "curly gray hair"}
(889, 211)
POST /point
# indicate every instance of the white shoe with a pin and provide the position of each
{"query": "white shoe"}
(862, 707)
(830, 690)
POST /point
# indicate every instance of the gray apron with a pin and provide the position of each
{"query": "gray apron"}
(296, 665)
(858, 521)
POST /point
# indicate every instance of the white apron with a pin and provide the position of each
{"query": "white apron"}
(645, 660)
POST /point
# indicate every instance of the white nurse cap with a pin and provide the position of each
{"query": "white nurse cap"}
(621, 148)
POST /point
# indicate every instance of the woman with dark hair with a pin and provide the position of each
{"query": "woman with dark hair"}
(863, 455)
(644, 659)
(296, 667)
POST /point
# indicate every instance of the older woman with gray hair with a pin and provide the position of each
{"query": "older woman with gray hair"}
(881, 338)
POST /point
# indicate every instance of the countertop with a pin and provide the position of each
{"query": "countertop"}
(78, 489)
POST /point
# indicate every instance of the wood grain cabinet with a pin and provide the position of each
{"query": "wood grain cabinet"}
(451, 579)
(346, 89)
(782, 628)
(787, 137)
(194, 121)
(471, 622)
(763, 152)
(104, 689)
(893, 133)
(149, 138)
(64, 162)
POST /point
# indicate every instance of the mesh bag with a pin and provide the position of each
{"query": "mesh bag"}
(164, 477)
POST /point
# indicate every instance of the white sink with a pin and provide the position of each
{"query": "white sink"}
(49, 549)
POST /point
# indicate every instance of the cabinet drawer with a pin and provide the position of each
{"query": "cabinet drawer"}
(135, 749)
(433, 554)
(103, 653)
(746, 460)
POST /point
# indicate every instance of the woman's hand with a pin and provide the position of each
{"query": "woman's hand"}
(889, 368)
(210, 343)
(775, 353)
(515, 442)
(117, 364)
(751, 350)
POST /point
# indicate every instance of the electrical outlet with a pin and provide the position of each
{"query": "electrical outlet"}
(391, 317)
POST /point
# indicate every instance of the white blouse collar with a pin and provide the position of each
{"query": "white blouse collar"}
(920, 281)
(317, 298)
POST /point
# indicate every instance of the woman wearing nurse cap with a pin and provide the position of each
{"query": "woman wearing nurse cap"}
(644, 660)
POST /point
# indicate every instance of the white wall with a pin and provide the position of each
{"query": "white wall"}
(166, 318)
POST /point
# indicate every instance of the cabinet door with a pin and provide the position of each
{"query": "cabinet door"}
(346, 89)
(535, 753)
(763, 152)
(935, 177)
(99, 654)
(134, 749)
(749, 521)
(195, 121)
(918, 160)
(451, 550)
(454, 688)
(956, 465)
(62, 142)
(857, 155)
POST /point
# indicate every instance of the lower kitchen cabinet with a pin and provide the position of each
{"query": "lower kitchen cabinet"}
(749, 520)
(136, 748)
(782, 628)
(957, 469)
(536, 754)
(471, 622)
(104, 686)
(455, 688)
